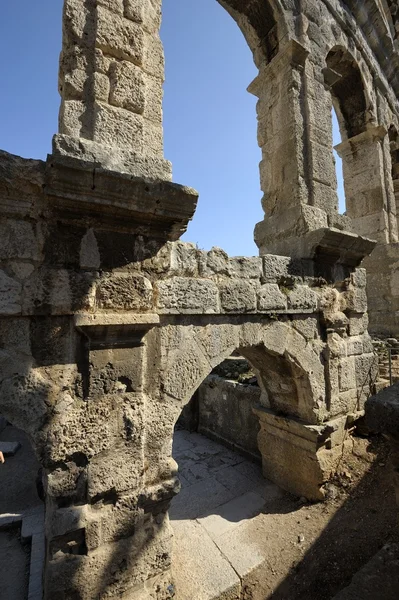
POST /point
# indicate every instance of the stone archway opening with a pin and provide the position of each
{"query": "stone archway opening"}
(218, 446)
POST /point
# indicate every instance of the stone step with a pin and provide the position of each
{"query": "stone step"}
(9, 448)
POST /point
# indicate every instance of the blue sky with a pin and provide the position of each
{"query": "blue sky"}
(209, 117)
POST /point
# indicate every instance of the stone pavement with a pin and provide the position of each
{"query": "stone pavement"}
(221, 494)
(22, 544)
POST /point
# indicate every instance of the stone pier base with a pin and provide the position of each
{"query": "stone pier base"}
(300, 457)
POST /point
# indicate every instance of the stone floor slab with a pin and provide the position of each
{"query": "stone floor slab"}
(206, 573)
(232, 514)
(240, 549)
(196, 500)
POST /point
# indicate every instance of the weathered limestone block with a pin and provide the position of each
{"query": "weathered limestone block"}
(87, 428)
(355, 345)
(118, 37)
(183, 259)
(25, 399)
(124, 292)
(58, 291)
(19, 240)
(218, 342)
(216, 261)
(270, 298)
(366, 368)
(238, 296)
(116, 370)
(246, 267)
(148, 13)
(347, 374)
(127, 87)
(10, 295)
(275, 267)
(356, 300)
(307, 326)
(125, 567)
(358, 324)
(68, 482)
(89, 253)
(185, 295)
(359, 278)
(116, 471)
(74, 85)
(185, 371)
(295, 454)
(302, 298)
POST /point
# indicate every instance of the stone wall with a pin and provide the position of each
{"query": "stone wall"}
(226, 414)
(223, 407)
(107, 329)
(109, 324)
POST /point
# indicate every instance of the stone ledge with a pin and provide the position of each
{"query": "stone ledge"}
(104, 319)
(82, 193)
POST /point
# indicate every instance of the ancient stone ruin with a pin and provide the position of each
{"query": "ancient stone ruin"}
(109, 323)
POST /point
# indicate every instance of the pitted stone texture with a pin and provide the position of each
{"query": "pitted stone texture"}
(238, 296)
(124, 292)
(181, 294)
(270, 298)
(10, 295)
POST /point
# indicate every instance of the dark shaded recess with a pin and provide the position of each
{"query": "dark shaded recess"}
(118, 249)
(49, 339)
(62, 245)
(348, 91)
(70, 543)
(261, 18)
(394, 145)
(108, 497)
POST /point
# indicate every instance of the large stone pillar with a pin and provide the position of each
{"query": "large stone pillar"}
(297, 168)
(370, 199)
(111, 77)
(107, 531)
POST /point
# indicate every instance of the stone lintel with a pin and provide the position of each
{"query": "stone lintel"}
(81, 193)
(106, 330)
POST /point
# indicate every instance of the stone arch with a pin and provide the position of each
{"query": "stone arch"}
(364, 149)
(263, 24)
(271, 347)
(348, 92)
(291, 375)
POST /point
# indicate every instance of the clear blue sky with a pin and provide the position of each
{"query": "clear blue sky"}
(209, 117)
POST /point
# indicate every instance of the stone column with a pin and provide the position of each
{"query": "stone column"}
(297, 164)
(111, 77)
(370, 200)
(107, 532)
